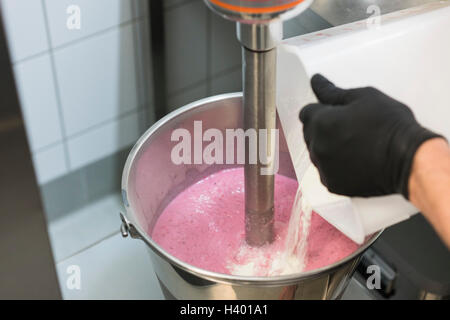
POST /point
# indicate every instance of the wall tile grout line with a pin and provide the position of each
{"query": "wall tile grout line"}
(227, 71)
(188, 87)
(30, 57)
(56, 84)
(201, 82)
(98, 33)
(47, 147)
(68, 44)
(89, 246)
(176, 5)
(108, 121)
(91, 128)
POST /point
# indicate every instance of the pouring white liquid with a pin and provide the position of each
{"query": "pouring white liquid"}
(291, 258)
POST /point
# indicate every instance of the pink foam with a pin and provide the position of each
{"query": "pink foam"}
(204, 225)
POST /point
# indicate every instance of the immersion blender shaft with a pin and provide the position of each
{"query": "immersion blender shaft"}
(259, 87)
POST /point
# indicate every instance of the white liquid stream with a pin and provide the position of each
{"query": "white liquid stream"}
(292, 259)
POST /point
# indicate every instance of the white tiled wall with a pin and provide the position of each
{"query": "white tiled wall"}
(50, 162)
(82, 91)
(186, 96)
(97, 79)
(225, 82)
(225, 48)
(186, 33)
(106, 139)
(26, 29)
(36, 88)
(200, 48)
(203, 55)
(97, 15)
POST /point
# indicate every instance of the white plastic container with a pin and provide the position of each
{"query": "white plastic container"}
(407, 56)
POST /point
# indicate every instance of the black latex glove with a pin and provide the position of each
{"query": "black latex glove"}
(362, 141)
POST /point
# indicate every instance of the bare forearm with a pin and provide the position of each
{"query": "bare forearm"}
(429, 185)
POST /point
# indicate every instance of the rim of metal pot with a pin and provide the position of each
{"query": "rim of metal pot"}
(137, 232)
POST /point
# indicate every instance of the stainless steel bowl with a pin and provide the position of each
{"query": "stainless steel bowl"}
(150, 181)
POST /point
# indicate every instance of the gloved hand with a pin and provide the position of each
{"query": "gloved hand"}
(362, 141)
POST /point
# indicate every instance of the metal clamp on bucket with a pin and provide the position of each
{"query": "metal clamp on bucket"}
(128, 229)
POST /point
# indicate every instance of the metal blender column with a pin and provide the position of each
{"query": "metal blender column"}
(259, 29)
(259, 90)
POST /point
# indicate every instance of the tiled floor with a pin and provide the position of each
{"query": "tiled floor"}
(115, 268)
(84, 228)
(110, 266)
(356, 291)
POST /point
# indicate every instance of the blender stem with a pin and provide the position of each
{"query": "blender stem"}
(259, 93)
